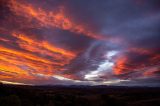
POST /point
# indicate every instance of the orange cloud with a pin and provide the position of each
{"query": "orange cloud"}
(120, 65)
(42, 44)
(57, 19)
(23, 54)
(151, 71)
(132, 60)
(31, 59)
(12, 70)
(4, 40)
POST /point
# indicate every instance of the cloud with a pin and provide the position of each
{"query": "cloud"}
(79, 42)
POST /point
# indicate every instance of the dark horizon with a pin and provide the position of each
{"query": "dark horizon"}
(22, 95)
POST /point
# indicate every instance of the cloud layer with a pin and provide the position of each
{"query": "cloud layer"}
(80, 42)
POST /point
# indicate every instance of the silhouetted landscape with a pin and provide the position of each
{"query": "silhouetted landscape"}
(23, 95)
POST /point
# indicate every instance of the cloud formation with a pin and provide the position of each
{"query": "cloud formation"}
(80, 42)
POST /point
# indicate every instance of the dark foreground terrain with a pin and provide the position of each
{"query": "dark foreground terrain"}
(11, 95)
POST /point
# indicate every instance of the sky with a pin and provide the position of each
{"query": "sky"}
(80, 42)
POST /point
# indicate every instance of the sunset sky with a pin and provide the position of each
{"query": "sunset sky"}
(80, 42)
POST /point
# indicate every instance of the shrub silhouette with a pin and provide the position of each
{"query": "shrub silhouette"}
(12, 100)
(111, 101)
